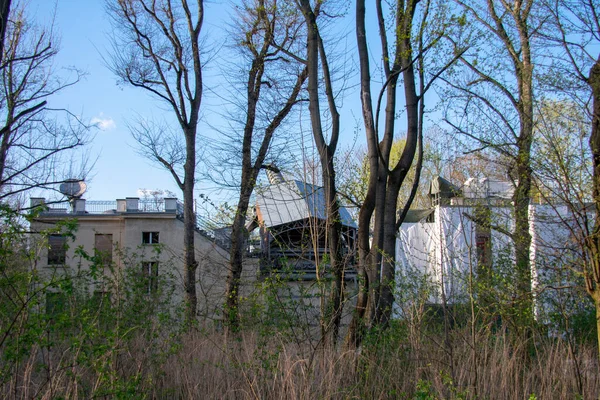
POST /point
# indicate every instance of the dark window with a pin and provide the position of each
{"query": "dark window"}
(149, 237)
(484, 249)
(430, 218)
(57, 249)
(150, 274)
(56, 303)
(100, 299)
(104, 247)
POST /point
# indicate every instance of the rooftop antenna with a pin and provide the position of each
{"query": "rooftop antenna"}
(73, 189)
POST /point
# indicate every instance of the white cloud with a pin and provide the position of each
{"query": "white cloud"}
(104, 124)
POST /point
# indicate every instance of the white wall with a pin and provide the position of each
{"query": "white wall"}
(444, 251)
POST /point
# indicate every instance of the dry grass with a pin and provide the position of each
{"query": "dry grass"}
(251, 366)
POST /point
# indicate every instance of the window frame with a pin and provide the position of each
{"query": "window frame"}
(106, 255)
(54, 259)
(150, 237)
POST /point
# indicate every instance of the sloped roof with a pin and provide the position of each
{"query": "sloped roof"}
(295, 200)
(444, 188)
(414, 216)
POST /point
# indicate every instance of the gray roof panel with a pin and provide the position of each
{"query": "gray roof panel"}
(291, 201)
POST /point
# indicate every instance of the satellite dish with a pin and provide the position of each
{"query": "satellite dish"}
(73, 188)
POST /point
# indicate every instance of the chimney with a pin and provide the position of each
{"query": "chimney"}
(132, 204)
(79, 206)
(274, 174)
(170, 204)
(121, 205)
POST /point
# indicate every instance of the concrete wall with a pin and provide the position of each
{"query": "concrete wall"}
(126, 230)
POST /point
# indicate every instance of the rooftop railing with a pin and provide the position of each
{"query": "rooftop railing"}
(106, 206)
(203, 224)
(100, 206)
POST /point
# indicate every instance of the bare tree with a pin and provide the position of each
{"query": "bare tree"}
(404, 45)
(491, 103)
(158, 49)
(564, 219)
(269, 30)
(575, 73)
(35, 142)
(318, 66)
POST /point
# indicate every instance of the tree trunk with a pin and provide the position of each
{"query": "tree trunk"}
(522, 241)
(248, 179)
(398, 174)
(330, 319)
(521, 197)
(236, 253)
(377, 247)
(366, 267)
(4, 12)
(593, 241)
(189, 220)
(333, 315)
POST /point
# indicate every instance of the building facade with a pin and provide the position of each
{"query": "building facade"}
(129, 233)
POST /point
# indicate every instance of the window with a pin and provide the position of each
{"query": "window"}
(57, 249)
(100, 299)
(150, 275)
(484, 250)
(149, 237)
(104, 247)
(56, 303)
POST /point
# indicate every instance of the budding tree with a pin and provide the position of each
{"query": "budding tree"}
(406, 39)
(268, 32)
(157, 48)
(491, 103)
(574, 30)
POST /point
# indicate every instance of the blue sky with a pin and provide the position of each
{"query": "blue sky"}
(83, 29)
(120, 171)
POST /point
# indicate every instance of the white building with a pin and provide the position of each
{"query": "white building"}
(448, 243)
